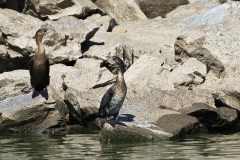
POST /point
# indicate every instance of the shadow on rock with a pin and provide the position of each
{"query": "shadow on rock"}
(87, 44)
(126, 118)
(113, 123)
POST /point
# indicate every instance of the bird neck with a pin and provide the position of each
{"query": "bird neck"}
(41, 49)
(120, 77)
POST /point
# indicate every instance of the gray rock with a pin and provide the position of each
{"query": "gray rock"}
(122, 11)
(225, 90)
(124, 40)
(155, 8)
(138, 123)
(176, 99)
(208, 39)
(14, 83)
(218, 119)
(189, 74)
(27, 113)
(60, 8)
(195, 7)
(146, 74)
(87, 75)
(18, 47)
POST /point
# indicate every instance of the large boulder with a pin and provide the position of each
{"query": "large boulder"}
(188, 75)
(14, 83)
(212, 40)
(146, 74)
(122, 11)
(215, 119)
(88, 75)
(194, 8)
(155, 8)
(177, 99)
(130, 40)
(225, 91)
(59, 8)
(23, 110)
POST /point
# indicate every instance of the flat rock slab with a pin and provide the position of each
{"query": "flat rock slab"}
(146, 123)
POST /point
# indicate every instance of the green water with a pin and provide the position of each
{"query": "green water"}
(87, 146)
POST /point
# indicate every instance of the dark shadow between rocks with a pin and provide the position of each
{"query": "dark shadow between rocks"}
(74, 116)
(87, 44)
(17, 5)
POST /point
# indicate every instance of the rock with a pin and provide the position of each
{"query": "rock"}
(212, 40)
(157, 37)
(57, 75)
(195, 7)
(176, 99)
(83, 103)
(86, 84)
(153, 124)
(122, 11)
(60, 8)
(14, 83)
(18, 47)
(155, 8)
(23, 113)
(189, 74)
(88, 75)
(218, 119)
(225, 91)
(145, 74)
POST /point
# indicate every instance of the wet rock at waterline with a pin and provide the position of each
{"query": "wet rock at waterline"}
(139, 123)
(218, 119)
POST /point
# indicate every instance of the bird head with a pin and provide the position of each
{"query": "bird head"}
(42, 32)
(114, 64)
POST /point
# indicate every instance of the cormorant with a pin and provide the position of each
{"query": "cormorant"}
(39, 63)
(112, 100)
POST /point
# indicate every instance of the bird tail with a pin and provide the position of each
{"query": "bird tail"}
(39, 87)
(90, 117)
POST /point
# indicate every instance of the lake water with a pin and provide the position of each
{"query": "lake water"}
(87, 146)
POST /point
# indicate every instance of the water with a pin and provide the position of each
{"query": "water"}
(87, 146)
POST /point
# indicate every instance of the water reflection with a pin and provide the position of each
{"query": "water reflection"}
(87, 146)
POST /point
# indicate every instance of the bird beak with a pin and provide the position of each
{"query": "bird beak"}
(50, 30)
(110, 60)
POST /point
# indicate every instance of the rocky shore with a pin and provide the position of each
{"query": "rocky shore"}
(182, 59)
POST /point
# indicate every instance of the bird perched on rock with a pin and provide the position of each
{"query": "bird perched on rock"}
(112, 100)
(39, 63)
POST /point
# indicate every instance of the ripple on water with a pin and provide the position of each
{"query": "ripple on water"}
(87, 146)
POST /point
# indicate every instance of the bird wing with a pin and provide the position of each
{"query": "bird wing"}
(31, 66)
(47, 68)
(107, 97)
